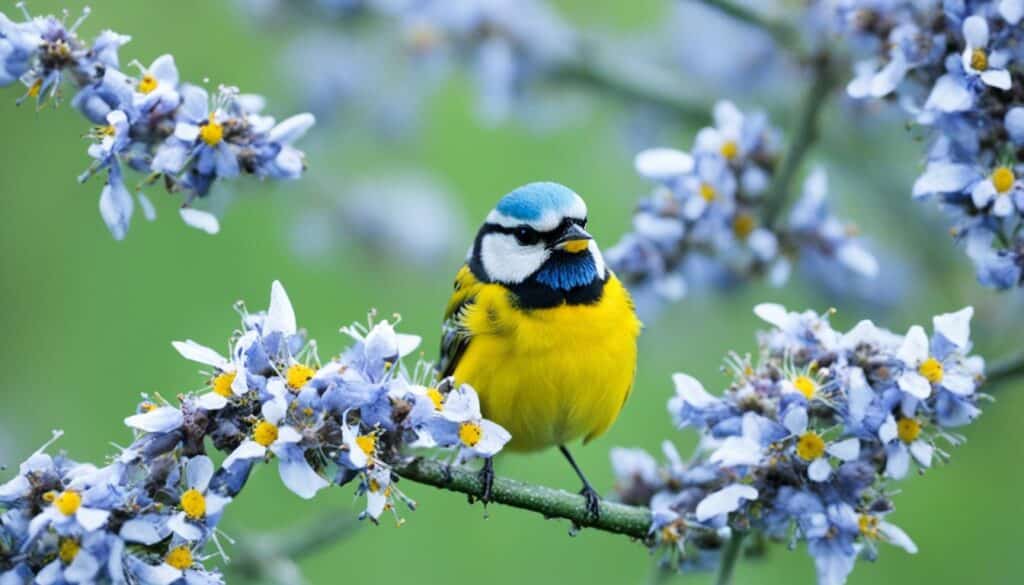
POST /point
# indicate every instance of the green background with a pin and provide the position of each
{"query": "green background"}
(87, 321)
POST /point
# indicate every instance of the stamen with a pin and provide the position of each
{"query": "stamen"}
(180, 557)
(470, 433)
(810, 446)
(908, 429)
(265, 433)
(68, 502)
(979, 59)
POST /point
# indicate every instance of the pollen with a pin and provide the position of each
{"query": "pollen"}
(180, 557)
(68, 550)
(908, 429)
(806, 386)
(810, 446)
(298, 375)
(50, 496)
(707, 192)
(931, 369)
(193, 503)
(222, 383)
(68, 502)
(979, 59)
(868, 525)
(212, 132)
(435, 396)
(470, 433)
(1002, 179)
(265, 433)
(147, 84)
(729, 149)
(743, 225)
(368, 443)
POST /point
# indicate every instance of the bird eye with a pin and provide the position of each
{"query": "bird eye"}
(527, 236)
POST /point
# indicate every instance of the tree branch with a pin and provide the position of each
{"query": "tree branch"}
(616, 518)
(596, 66)
(1005, 369)
(730, 555)
(803, 136)
(783, 33)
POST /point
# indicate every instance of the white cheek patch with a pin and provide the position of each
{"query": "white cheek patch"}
(506, 260)
(598, 259)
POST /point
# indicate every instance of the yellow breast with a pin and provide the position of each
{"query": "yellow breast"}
(553, 375)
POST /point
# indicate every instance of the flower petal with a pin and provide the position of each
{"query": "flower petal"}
(159, 420)
(199, 219)
(196, 352)
(724, 501)
(280, 315)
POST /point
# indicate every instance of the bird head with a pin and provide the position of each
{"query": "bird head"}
(537, 235)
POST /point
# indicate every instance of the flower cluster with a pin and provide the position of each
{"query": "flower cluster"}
(706, 220)
(806, 441)
(148, 120)
(506, 45)
(953, 68)
(147, 515)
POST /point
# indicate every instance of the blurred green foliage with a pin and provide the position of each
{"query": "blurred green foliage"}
(88, 321)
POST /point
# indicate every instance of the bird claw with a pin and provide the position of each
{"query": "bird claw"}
(593, 502)
(487, 481)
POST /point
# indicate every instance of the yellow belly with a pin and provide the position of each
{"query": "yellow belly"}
(551, 376)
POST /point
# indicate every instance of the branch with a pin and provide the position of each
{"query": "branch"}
(616, 518)
(803, 136)
(595, 66)
(782, 32)
(1006, 369)
(729, 557)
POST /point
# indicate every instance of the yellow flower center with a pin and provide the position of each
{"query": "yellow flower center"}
(147, 84)
(193, 503)
(50, 496)
(806, 386)
(707, 192)
(180, 557)
(868, 525)
(810, 446)
(1002, 179)
(730, 149)
(374, 485)
(298, 375)
(68, 550)
(212, 132)
(147, 406)
(470, 433)
(265, 433)
(979, 59)
(107, 130)
(435, 396)
(908, 429)
(68, 502)
(743, 225)
(368, 443)
(931, 369)
(222, 383)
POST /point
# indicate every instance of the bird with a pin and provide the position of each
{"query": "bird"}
(541, 328)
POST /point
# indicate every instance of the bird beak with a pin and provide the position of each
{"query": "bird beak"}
(574, 240)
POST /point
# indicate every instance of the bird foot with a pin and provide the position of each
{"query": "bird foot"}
(593, 504)
(487, 481)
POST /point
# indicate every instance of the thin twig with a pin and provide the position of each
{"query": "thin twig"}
(783, 33)
(729, 557)
(1005, 369)
(803, 136)
(596, 66)
(551, 503)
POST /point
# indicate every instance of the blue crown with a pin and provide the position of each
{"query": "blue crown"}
(529, 202)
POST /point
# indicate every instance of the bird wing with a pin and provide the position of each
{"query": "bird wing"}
(455, 336)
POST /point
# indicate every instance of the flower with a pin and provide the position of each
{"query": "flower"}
(200, 508)
(460, 424)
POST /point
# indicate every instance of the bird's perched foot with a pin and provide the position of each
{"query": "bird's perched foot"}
(487, 481)
(593, 501)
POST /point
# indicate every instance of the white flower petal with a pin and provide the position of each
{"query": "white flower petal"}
(997, 78)
(915, 384)
(975, 29)
(196, 352)
(248, 449)
(735, 451)
(692, 391)
(888, 430)
(958, 384)
(940, 177)
(949, 95)
(662, 164)
(288, 435)
(773, 313)
(914, 349)
(846, 450)
(141, 531)
(158, 420)
(895, 536)
(795, 420)
(819, 470)
(956, 327)
(922, 452)
(211, 401)
(898, 462)
(407, 343)
(724, 501)
(180, 525)
(199, 219)
(300, 478)
(280, 315)
(91, 518)
(198, 472)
